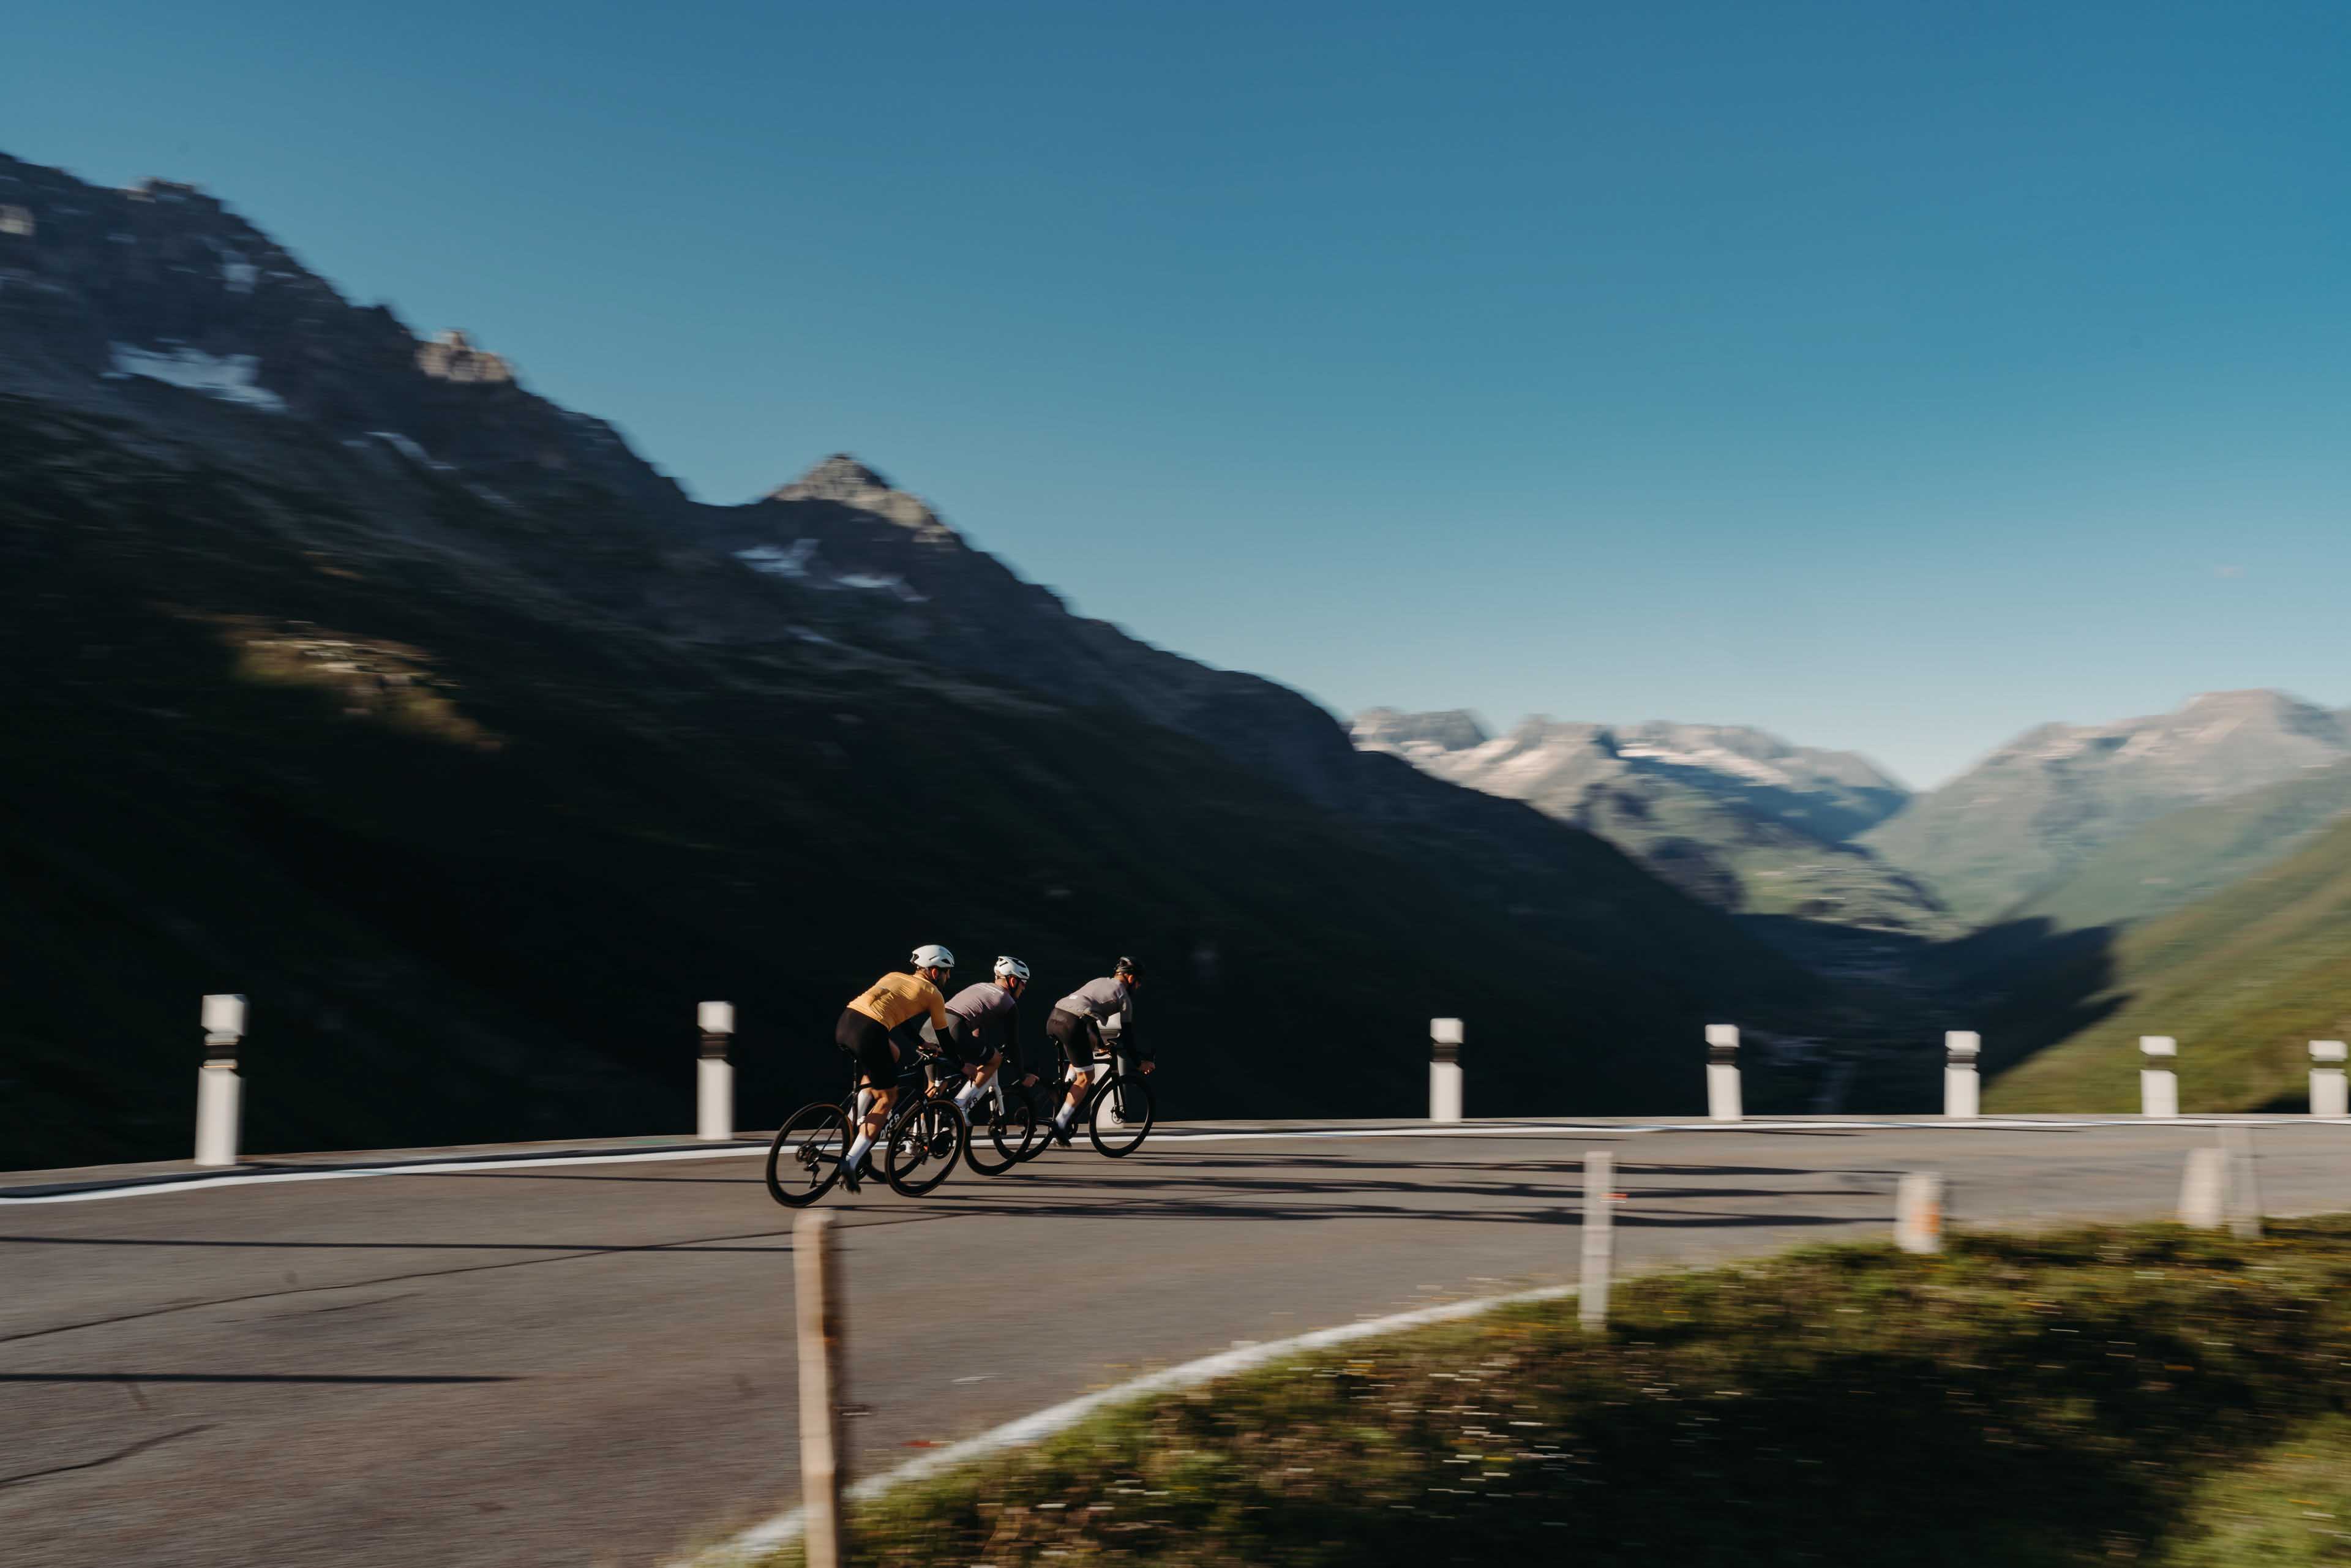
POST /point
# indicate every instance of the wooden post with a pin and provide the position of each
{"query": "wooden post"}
(1722, 1072)
(1918, 1212)
(714, 1086)
(1961, 1084)
(817, 1290)
(2159, 1085)
(1445, 1070)
(1599, 1238)
(220, 1093)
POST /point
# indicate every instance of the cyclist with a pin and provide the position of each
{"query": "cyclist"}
(1075, 1026)
(983, 1021)
(881, 1027)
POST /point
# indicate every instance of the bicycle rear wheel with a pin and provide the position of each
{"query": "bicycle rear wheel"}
(805, 1159)
(1119, 1115)
(999, 1138)
(925, 1144)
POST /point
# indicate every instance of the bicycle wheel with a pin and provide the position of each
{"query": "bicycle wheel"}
(999, 1138)
(1134, 1109)
(805, 1159)
(925, 1144)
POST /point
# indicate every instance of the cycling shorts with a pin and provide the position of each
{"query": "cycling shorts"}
(869, 1042)
(1078, 1036)
(964, 1043)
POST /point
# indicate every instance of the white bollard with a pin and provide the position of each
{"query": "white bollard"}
(1960, 1085)
(2159, 1085)
(2329, 1095)
(1598, 1238)
(1918, 1212)
(2204, 1189)
(2245, 1182)
(220, 1093)
(714, 1084)
(817, 1290)
(1722, 1072)
(1445, 1070)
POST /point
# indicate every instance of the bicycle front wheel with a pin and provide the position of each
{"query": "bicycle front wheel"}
(1119, 1115)
(805, 1159)
(999, 1138)
(925, 1144)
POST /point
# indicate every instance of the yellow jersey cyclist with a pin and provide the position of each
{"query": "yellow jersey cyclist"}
(984, 1026)
(880, 1028)
(1075, 1026)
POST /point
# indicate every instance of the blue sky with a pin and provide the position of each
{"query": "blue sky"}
(1893, 377)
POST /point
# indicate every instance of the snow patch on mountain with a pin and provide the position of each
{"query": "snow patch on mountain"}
(231, 378)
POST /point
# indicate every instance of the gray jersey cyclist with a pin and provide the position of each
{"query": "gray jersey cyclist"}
(1075, 1026)
(983, 1028)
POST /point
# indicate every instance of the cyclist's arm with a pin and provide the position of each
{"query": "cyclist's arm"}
(1128, 1040)
(1015, 1059)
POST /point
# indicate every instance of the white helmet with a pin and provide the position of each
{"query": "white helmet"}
(931, 956)
(1009, 968)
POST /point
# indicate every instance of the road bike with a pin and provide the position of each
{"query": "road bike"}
(925, 1134)
(1118, 1112)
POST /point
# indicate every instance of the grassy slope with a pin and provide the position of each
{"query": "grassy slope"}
(482, 907)
(2243, 979)
(2146, 1395)
(2183, 857)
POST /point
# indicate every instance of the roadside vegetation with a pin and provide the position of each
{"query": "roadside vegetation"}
(2146, 1395)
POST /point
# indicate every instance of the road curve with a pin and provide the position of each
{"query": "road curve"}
(586, 1363)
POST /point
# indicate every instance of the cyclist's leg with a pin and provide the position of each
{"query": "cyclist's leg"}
(980, 1075)
(869, 1042)
(1078, 1038)
(971, 1060)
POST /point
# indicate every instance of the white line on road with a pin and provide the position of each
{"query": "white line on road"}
(1180, 1136)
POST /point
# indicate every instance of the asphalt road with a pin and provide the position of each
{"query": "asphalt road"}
(592, 1363)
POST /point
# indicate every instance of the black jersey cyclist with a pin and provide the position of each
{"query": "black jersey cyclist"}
(984, 1026)
(880, 1028)
(1075, 1026)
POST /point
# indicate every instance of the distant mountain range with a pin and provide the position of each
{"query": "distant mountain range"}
(1733, 815)
(2075, 825)
(2034, 813)
(347, 672)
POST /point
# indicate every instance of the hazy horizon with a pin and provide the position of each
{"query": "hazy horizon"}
(1889, 381)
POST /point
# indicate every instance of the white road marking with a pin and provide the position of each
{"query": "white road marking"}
(1181, 1137)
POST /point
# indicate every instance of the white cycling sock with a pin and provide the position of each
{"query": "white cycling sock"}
(1067, 1111)
(856, 1155)
(968, 1095)
(864, 1102)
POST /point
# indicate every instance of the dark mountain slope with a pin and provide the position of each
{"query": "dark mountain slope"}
(427, 714)
(474, 847)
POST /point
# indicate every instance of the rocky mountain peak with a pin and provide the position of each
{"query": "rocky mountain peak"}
(450, 356)
(843, 481)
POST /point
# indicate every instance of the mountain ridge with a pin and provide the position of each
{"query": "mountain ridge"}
(2034, 807)
(1731, 814)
